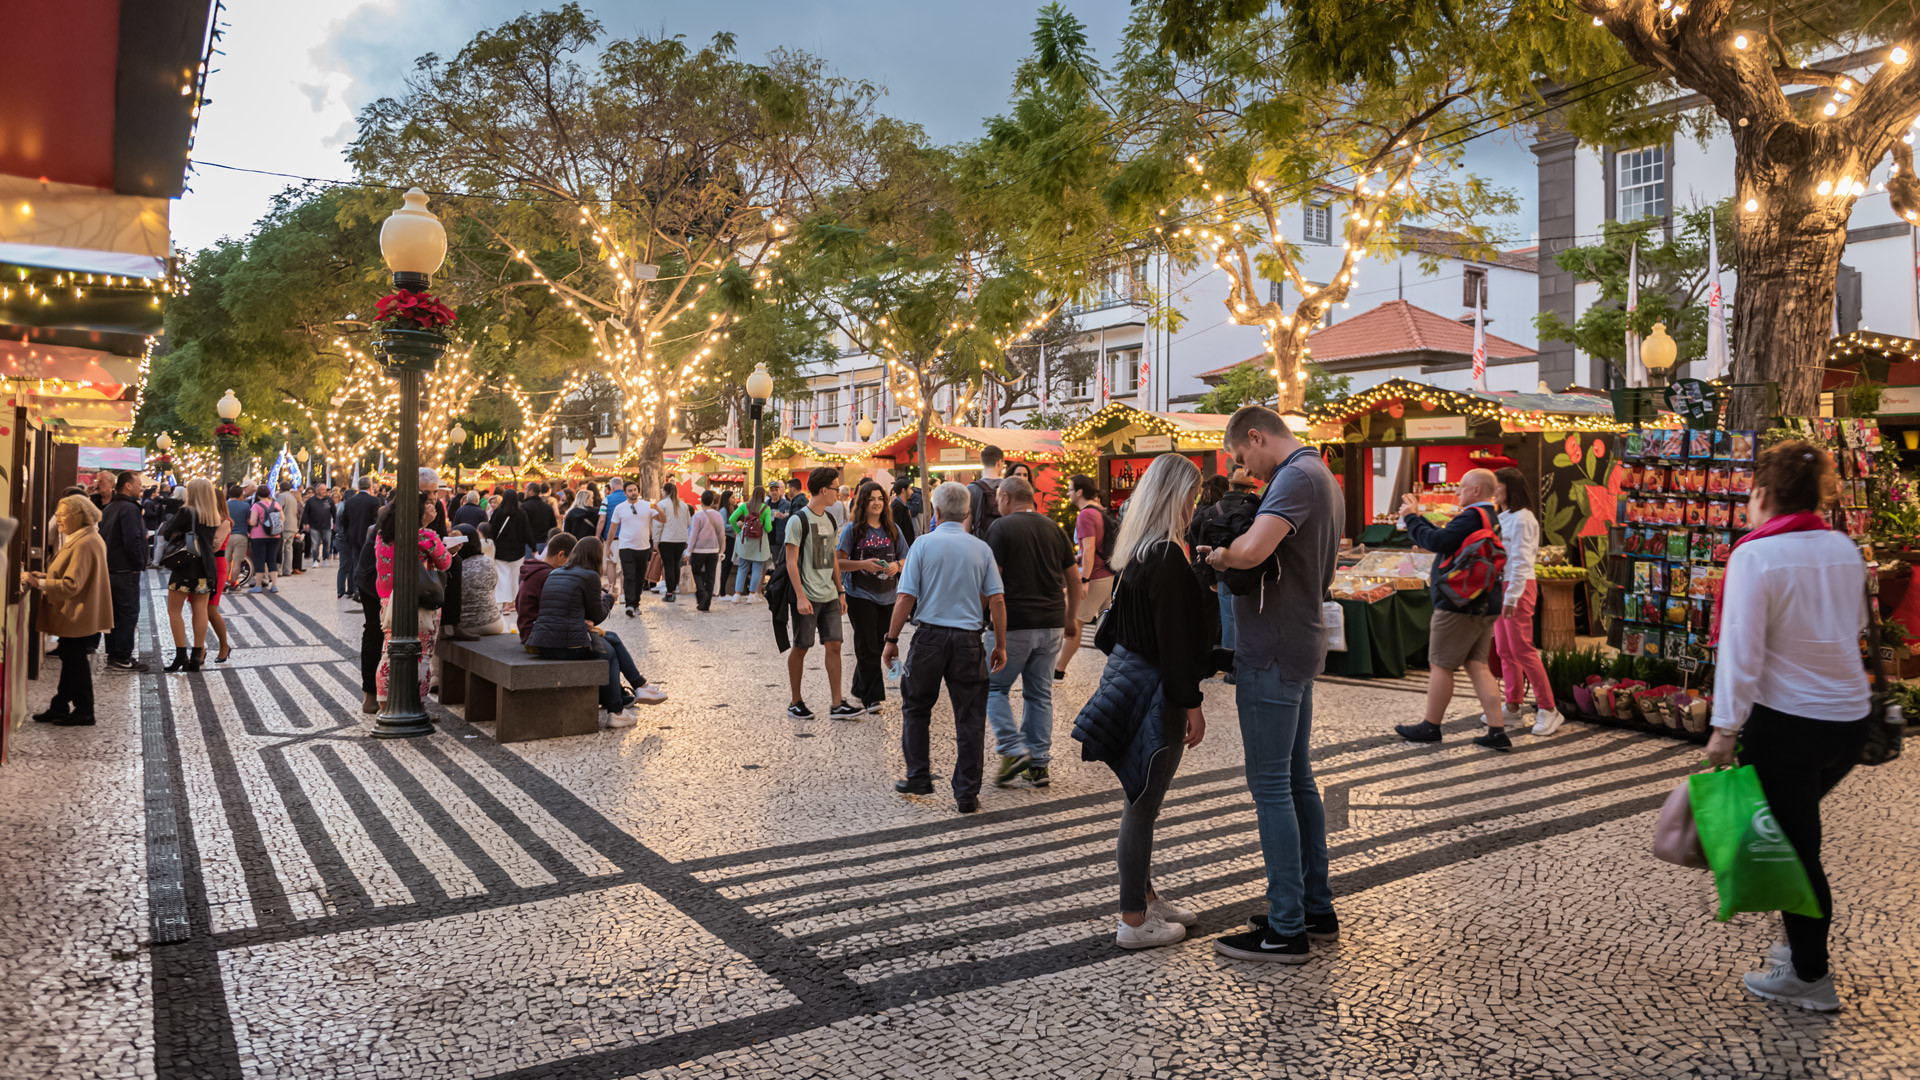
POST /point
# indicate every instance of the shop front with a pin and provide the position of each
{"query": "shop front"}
(1121, 441)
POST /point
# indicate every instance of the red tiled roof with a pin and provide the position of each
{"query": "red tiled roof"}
(1393, 328)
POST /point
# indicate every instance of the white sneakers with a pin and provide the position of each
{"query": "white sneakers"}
(1547, 721)
(1173, 913)
(1780, 983)
(1509, 716)
(619, 720)
(1151, 933)
(649, 695)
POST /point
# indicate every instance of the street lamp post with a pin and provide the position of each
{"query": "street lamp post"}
(456, 438)
(414, 244)
(229, 409)
(163, 444)
(1658, 353)
(759, 389)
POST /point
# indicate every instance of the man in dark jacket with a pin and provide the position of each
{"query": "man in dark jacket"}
(903, 510)
(373, 637)
(1461, 633)
(357, 515)
(317, 514)
(540, 516)
(125, 533)
(533, 575)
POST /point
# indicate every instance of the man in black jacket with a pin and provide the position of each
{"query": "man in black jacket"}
(903, 509)
(1461, 633)
(357, 515)
(125, 534)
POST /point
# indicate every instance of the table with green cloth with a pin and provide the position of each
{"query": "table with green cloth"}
(1384, 637)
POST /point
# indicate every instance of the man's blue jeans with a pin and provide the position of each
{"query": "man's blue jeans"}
(1226, 617)
(1276, 722)
(1031, 655)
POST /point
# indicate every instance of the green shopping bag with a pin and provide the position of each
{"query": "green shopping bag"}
(1754, 866)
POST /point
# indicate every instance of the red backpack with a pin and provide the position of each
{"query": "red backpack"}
(1479, 564)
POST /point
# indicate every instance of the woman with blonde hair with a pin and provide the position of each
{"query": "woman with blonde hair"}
(1147, 707)
(195, 582)
(78, 608)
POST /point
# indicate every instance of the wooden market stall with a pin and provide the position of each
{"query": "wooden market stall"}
(953, 453)
(1564, 444)
(1125, 440)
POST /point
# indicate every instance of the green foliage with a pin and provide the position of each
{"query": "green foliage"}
(1568, 668)
(1673, 284)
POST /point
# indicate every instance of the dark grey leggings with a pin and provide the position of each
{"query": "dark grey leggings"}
(1136, 820)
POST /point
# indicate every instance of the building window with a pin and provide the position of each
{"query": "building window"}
(1124, 369)
(1276, 292)
(1122, 280)
(1473, 287)
(830, 407)
(1319, 223)
(1642, 183)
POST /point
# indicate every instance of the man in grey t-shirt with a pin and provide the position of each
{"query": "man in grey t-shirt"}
(1279, 646)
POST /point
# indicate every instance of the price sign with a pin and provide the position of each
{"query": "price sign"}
(1688, 664)
(1696, 402)
(1886, 653)
(1153, 444)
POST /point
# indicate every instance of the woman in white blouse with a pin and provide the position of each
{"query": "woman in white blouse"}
(1790, 694)
(1513, 635)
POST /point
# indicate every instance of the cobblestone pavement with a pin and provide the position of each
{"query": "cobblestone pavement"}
(227, 878)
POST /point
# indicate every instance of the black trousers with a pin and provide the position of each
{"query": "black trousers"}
(959, 658)
(373, 641)
(1798, 761)
(74, 692)
(670, 556)
(727, 568)
(633, 573)
(349, 562)
(702, 568)
(869, 640)
(125, 585)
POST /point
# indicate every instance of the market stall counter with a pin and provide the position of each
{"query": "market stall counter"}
(1387, 611)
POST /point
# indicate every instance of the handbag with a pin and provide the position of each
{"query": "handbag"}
(656, 569)
(1335, 618)
(183, 552)
(432, 587)
(1676, 839)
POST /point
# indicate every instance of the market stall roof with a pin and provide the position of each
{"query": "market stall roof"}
(1019, 444)
(1396, 332)
(1883, 358)
(1517, 411)
(1207, 428)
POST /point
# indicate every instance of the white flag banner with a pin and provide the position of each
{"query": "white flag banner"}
(1717, 362)
(1043, 378)
(1479, 347)
(1636, 371)
(733, 423)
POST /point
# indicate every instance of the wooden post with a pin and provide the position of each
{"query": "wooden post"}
(1356, 461)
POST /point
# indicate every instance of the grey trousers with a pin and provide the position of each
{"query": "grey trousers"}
(1136, 820)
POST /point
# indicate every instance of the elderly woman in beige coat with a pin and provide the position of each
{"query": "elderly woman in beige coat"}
(78, 608)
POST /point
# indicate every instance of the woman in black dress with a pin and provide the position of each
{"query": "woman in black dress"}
(192, 584)
(511, 541)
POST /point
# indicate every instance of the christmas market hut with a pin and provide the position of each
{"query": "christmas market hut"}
(953, 453)
(1118, 442)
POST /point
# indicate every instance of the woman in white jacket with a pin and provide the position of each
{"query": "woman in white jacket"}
(1513, 634)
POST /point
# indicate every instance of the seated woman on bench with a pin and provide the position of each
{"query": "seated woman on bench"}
(566, 627)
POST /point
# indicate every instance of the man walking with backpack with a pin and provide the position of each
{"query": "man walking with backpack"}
(1468, 584)
(1094, 527)
(983, 503)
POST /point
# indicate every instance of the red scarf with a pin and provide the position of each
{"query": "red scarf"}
(1803, 521)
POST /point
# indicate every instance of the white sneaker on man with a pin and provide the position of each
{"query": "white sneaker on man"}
(1151, 933)
(619, 720)
(1173, 913)
(1509, 716)
(649, 695)
(1547, 721)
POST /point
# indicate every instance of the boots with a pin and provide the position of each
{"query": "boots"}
(195, 658)
(179, 660)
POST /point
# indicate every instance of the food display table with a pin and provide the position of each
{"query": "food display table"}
(1384, 637)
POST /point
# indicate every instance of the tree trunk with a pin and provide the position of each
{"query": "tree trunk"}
(920, 454)
(652, 458)
(1788, 252)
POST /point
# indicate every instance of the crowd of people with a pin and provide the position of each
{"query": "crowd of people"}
(1199, 576)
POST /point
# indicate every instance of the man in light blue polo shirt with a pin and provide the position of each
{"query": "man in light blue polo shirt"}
(949, 587)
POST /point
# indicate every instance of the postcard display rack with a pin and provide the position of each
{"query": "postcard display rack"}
(1682, 506)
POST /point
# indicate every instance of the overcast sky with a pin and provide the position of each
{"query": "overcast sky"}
(295, 73)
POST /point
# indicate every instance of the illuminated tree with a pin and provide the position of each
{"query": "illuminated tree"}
(633, 179)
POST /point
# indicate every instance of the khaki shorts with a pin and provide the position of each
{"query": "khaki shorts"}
(1458, 639)
(1094, 596)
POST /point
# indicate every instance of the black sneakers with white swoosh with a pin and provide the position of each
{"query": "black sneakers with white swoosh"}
(1263, 946)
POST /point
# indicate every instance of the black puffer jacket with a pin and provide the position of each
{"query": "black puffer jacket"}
(1124, 722)
(568, 601)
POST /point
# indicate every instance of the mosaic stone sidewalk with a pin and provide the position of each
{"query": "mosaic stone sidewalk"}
(227, 878)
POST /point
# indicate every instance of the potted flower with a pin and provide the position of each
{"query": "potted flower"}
(410, 325)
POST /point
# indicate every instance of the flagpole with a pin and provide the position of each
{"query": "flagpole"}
(1717, 361)
(1636, 371)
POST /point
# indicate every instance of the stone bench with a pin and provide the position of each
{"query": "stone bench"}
(501, 683)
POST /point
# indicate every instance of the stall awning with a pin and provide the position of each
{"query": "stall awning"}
(1019, 444)
(1515, 411)
(1201, 429)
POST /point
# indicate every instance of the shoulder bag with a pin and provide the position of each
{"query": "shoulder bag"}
(183, 551)
(1885, 728)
